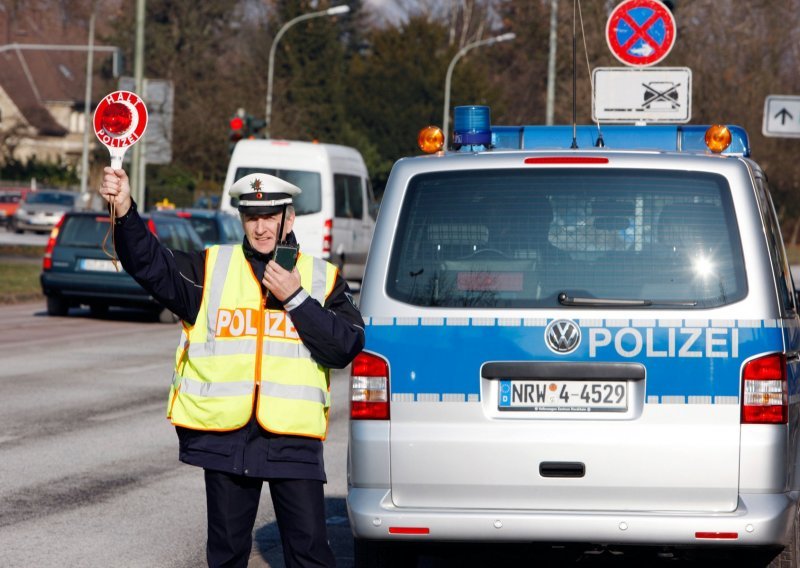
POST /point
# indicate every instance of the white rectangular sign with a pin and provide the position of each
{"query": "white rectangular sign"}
(782, 116)
(159, 97)
(629, 94)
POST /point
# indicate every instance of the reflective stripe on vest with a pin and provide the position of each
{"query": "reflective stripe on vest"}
(217, 365)
(297, 392)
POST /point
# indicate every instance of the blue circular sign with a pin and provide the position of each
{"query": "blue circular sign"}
(640, 32)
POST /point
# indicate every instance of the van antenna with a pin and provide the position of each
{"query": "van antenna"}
(600, 143)
(574, 89)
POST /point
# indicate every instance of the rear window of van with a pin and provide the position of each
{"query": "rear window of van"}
(544, 238)
(308, 202)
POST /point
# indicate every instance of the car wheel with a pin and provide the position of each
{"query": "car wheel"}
(166, 316)
(98, 310)
(57, 306)
(378, 554)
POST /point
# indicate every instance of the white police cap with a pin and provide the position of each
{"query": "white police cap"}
(263, 194)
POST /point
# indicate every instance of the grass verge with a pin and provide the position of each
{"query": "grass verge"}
(20, 266)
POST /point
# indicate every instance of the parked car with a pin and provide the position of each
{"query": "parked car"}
(9, 203)
(40, 210)
(76, 269)
(213, 226)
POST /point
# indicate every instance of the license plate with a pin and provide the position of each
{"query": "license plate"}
(563, 396)
(97, 265)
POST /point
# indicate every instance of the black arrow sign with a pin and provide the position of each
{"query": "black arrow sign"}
(783, 114)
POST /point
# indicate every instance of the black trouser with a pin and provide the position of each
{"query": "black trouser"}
(299, 510)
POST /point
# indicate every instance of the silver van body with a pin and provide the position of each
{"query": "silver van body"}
(585, 394)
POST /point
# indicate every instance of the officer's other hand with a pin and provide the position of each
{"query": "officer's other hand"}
(280, 282)
(116, 189)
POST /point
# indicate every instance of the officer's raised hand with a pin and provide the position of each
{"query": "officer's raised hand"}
(116, 190)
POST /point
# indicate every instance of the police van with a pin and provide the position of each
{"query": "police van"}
(577, 335)
(336, 210)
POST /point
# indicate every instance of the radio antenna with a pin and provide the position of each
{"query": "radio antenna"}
(574, 88)
(600, 142)
(280, 240)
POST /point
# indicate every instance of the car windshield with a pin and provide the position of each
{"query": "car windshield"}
(541, 238)
(45, 198)
(309, 201)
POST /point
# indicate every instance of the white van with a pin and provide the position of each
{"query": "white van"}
(336, 211)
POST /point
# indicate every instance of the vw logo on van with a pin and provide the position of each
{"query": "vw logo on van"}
(562, 336)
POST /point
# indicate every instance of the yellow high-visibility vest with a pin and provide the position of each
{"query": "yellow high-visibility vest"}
(237, 344)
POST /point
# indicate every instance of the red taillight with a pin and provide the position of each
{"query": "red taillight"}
(152, 226)
(369, 388)
(47, 260)
(327, 236)
(764, 391)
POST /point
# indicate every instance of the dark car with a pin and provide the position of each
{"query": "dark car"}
(77, 268)
(213, 226)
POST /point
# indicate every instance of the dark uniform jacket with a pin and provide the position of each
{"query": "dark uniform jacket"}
(333, 333)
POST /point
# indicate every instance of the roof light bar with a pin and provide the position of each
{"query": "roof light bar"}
(657, 137)
(473, 132)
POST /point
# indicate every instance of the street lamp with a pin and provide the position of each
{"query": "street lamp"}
(333, 11)
(492, 40)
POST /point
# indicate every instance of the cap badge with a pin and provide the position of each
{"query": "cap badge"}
(256, 185)
(259, 195)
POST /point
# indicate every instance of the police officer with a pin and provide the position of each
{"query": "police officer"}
(250, 392)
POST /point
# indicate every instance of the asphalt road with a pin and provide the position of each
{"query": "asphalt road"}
(11, 238)
(89, 475)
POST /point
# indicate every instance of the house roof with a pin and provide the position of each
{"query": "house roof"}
(26, 95)
(34, 78)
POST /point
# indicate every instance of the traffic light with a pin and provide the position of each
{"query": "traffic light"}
(237, 131)
(244, 125)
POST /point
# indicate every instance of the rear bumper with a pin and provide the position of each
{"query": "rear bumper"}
(86, 290)
(28, 225)
(759, 520)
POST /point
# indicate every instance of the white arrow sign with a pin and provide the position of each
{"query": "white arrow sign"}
(656, 94)
(781, 116)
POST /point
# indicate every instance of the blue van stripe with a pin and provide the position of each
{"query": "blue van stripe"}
(585, 322)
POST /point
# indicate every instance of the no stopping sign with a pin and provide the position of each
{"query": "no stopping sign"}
(640, 32)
